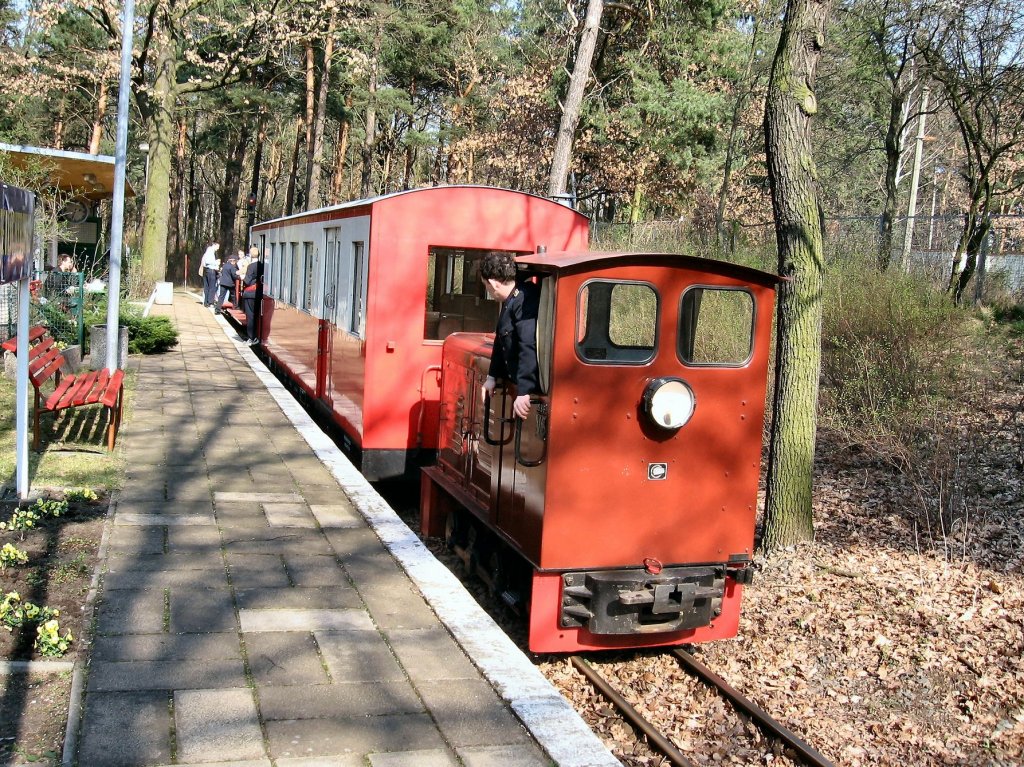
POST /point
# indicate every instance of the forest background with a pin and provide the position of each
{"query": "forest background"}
(246, 111)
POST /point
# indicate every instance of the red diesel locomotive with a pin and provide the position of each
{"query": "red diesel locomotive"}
(621, 512)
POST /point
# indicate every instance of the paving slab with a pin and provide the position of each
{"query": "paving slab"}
(527, 755)
(469, 713)
(358, 656)
(335, 736)
(217, 724)
(165, 675)
(334, 597)
(284, 658)
(430, 654)
(126, 729)
(304, 620)
(436, 758)
(341, 699)
(166, 647)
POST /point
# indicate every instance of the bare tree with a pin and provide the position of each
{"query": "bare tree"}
(975, 50)
(562, 157)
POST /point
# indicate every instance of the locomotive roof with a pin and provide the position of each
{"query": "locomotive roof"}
(379, 198)
(570, 261)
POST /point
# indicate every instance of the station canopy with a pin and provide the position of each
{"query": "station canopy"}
(83, 175)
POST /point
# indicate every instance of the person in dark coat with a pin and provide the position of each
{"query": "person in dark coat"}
(226, 281)
(250, 282)
(514, 356)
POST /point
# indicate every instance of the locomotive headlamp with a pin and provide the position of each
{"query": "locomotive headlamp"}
(669, 402)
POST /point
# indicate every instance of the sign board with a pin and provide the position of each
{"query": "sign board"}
(17, 213)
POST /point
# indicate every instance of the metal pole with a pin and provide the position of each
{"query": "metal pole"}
(912, 208)
(21, 398)
(120, 162)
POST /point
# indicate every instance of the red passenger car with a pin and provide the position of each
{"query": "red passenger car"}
(621, 512)
(360, 296)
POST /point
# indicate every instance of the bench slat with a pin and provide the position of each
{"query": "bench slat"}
(92, 395)
(113, 389)
(78, 392)
(58, 393)
(34, 334)
(39, 349)
(42, 369)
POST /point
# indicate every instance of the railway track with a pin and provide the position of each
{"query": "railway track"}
(771, 728)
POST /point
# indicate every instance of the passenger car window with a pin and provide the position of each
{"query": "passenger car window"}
(616, 322)
(716, 326)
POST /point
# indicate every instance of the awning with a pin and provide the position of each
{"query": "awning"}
(83, 175)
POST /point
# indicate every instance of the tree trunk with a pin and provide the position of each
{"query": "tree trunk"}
(101, 113)
(254, 181)
(371, 123)
(341, 150)
(176, 258)
(316, 158)
(310, 107)
(162, 132)
(231, 192)
(562, 157)
(893, 150)
(791, 103)
(289, 198)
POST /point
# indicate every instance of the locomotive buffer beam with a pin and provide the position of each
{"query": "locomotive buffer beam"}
(634, 601)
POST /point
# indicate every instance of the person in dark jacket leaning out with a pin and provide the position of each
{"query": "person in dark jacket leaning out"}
(514, 357)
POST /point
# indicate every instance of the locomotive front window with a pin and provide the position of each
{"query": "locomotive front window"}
(716, 326)
(617, 322)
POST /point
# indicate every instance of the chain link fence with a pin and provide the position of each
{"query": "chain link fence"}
(1000, 270)
(58, 302)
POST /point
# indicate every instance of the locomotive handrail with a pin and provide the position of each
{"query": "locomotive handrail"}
(487, 424)
(542, 434)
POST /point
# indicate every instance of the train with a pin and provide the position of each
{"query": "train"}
(620, 513)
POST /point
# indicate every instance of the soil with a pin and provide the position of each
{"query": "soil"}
(62, 557)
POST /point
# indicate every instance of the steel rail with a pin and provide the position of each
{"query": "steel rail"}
(760, 717)
(656, 738)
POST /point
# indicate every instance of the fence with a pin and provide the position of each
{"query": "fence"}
(933, 245)
(58, 302)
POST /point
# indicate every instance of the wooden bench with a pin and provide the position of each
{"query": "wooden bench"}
(70, 391)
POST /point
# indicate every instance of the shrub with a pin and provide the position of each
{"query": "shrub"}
(146, 335)
(891, 344)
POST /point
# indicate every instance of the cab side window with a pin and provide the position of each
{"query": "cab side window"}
(616, 322)
(716, 326)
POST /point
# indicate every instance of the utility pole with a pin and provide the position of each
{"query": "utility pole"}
(912, 208)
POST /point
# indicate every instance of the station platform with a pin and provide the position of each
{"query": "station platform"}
(261, 604)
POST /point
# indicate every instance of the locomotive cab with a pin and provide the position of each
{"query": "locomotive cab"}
(630, 490)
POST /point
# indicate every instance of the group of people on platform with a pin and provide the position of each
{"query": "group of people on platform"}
(220, 279)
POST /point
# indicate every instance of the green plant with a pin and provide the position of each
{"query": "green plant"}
(49, 508)
(146, 335)
(49, 642)
(11, 555)
(21, 520)
(15, 613)
(81, 495)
